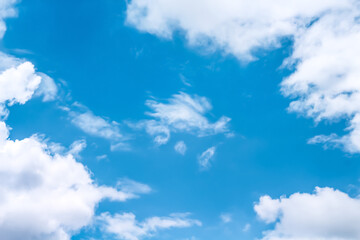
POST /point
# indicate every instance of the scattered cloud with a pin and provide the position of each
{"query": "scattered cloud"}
(226, 217)
(184, 80)
(77, 147)
(180, 147)
(325, 58)
(132, 188)
(84, 119)
(246, 228)
(47, 88)
(101, 157)
(126, 227)
(205, 158)
(324, 214)
(45, 192)
(181, 113)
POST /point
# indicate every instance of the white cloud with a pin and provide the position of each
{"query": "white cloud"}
(327, 214)
(126, 227)
(325, 58)
(84, 119)
(46, 195)
(326, 80)
(95, 125)
(181, 113)
(18, 84)
(226, 217)
(6, 10)
(47, 88)
(180, 147)
(76, 147)
(205, 158)
(235, 27)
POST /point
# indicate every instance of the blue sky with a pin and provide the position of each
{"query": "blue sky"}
(108, 66)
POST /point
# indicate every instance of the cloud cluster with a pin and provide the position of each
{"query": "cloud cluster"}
(46, 195)
(326, 214)
(235, 27)
(126, 227)
(325, 58)
(181, 113)
(326, 80)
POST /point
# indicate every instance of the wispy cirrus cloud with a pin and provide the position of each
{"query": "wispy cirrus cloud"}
(181, 113)
(125, 226)
(97, 126)
(180, 147)
(205, 158)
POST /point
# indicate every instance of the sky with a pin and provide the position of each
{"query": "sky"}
(181, 120)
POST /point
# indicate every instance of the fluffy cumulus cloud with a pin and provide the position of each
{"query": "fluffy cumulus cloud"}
(235, 27)
(126, 227)
(45, 192)
(205, 158)
(47, 88)
(181, 113)
(325, 58)
(19, 82)
(18, 77)
(326, 80)
(46, 195)
(325, 214)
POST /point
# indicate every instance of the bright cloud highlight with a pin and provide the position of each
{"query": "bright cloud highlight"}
(324, 214)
